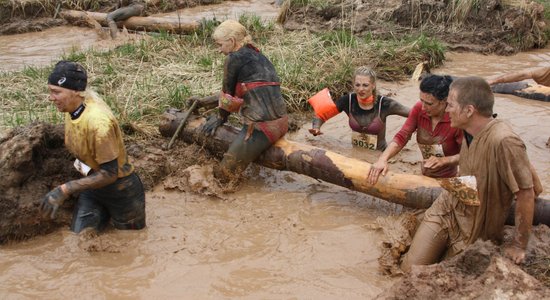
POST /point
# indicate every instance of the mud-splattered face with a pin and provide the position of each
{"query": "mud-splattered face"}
(226, 46)
(363, 86)
(431, 105)
(65, 100)
(457, 114)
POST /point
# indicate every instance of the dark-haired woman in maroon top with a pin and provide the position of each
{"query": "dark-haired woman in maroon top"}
(438, 141)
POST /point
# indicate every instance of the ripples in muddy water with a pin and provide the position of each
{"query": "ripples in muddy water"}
(282, 235)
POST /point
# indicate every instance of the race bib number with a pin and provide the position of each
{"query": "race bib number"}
(363, 140)
(463, 188)
(431, 150)
(81, 167)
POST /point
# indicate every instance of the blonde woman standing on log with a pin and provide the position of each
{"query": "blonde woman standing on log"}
(252, 88)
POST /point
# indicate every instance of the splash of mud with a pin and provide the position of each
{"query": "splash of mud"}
(89, 240)
(199, 179)
(480, 272)
(195, 179)
(398, 232)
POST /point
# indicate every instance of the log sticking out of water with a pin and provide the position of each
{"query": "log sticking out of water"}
(523, 89)
(133, 23)
(413, 191)
(408, 190)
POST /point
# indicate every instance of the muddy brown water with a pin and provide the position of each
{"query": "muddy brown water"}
(282, 235)
(41, 48)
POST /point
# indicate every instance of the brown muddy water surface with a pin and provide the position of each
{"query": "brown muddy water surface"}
(41, 48)
(282, 235)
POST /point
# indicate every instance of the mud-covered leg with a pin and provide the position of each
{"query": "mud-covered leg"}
(88, 213)
(432, 237)
(427, 247)
(122, 14)
(241, 153)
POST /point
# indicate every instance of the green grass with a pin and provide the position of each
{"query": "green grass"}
(320, 4)
(139, 80)
(546, 5)
(340, 38)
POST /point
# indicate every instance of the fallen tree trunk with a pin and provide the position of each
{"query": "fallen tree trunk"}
(133, 23)
(409, 190)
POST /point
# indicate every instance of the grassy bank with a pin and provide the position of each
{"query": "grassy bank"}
(139, 80)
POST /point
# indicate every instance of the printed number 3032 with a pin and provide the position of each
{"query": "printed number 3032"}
(363, 144)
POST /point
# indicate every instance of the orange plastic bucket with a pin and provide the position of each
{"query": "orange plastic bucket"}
(323, 105)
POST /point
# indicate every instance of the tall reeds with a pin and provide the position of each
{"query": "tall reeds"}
(142, 78)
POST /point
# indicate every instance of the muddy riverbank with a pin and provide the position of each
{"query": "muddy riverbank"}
(282, 234)
(494, 26)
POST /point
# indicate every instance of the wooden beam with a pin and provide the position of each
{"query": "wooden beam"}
(415, 191)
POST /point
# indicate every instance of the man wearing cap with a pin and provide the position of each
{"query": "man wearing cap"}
(110, 189)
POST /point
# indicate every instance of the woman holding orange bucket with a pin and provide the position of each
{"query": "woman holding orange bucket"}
(366, 110)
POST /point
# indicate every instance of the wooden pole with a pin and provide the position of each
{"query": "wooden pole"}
(415, 191)
(409, 190)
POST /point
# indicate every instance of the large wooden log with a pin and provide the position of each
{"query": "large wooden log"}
(133, 23)
(409, 190)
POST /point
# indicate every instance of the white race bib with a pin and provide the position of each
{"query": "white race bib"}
(463, 188)
(431, 150)
(364, 140)
(81, 167)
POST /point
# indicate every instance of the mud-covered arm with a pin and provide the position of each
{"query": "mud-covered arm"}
(316, 124)
(107, 174)
(525, 203)
(207, 102)
(511, 77)
(230, 74)
(381, 165)
(409, 127)
(126, 12)
(399, 109)
(515, 170)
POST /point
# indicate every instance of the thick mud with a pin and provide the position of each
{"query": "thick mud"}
(281, 235)
(480, 272)
(33, 160)
(494, 27)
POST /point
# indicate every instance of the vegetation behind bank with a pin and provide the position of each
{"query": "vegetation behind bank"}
(142, 78)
